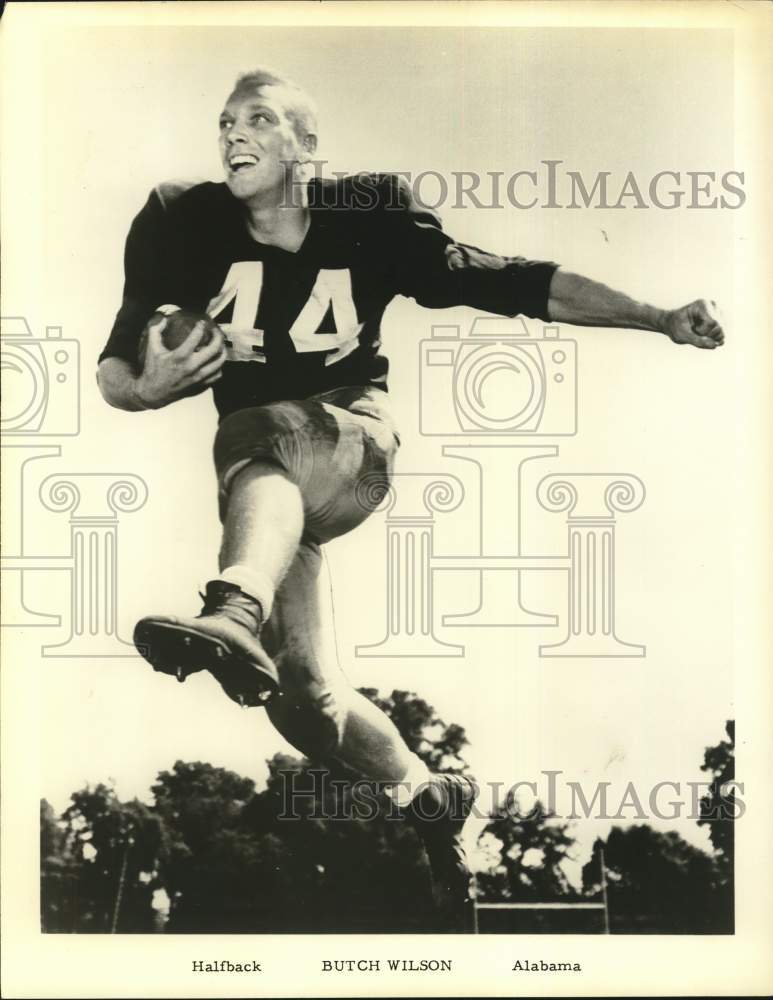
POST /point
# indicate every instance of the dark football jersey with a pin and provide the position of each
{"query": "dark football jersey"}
(300, 323)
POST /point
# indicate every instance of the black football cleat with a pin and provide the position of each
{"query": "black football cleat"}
(438, 814)
(222, 639)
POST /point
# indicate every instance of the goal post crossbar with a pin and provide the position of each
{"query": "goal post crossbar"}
(539, 906)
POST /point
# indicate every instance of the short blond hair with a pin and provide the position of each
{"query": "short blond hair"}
(301, 110)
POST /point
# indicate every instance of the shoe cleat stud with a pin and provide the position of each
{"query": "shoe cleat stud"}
(219, 652)
(186, 640)
(264, 696)
(240, 698)
(180, 674)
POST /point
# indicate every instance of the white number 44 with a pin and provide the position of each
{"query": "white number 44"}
(243, 285)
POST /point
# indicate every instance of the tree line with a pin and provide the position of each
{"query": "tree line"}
(211, 854)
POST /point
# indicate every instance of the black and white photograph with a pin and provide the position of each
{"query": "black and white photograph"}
(386, 484)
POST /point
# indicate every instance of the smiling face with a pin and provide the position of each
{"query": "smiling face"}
(260, 143)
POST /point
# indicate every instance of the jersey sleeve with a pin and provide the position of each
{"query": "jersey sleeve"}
(438, 272)
(146, 283)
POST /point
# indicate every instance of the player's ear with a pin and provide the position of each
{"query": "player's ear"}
(309, 145)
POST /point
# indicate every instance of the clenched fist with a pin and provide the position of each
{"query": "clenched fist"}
(698, 324)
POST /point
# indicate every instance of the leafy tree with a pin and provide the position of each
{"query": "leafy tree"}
(717, 812)
(58, 874)
(532, 850)
(717, 807)
(117, 846)
(211, 863)
(656, 883)
(52, 838)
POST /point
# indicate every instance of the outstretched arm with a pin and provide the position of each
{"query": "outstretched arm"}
(582, 302)
(431, 268)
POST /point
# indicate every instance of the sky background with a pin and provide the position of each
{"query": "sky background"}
(142, 107)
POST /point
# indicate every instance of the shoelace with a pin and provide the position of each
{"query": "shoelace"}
(232, 603)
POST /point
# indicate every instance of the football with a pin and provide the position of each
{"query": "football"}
(178, 325)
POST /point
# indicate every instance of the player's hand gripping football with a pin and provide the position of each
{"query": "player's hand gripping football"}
(698, 324)
(181, 355)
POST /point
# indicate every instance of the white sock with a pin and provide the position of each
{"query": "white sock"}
(256, 585)
(416, 777)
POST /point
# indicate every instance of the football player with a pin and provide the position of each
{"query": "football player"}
(295, 273)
